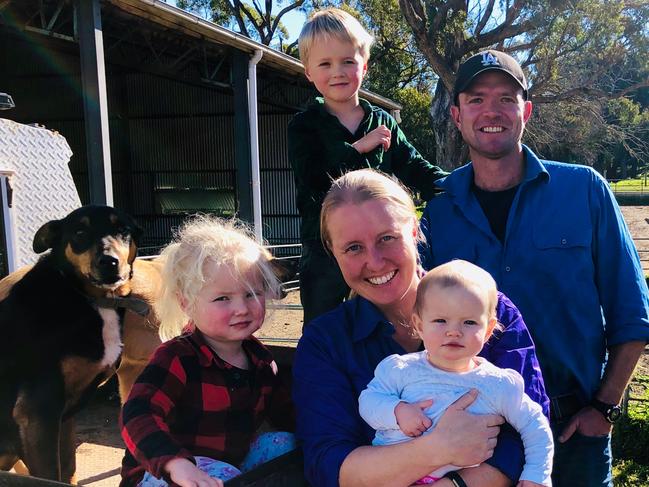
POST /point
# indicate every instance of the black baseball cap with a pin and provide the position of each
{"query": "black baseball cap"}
(490, 60)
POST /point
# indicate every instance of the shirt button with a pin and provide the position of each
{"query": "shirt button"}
(507, 269)
(564, 241)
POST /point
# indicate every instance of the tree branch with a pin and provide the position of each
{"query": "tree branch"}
(251, 18)
(236, 13)
(589, 91)
(285, 10)
(417, 19)
(485, 17)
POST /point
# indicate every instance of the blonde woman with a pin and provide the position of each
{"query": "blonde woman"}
(369, 224)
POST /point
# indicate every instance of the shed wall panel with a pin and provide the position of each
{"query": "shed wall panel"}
(150, 95)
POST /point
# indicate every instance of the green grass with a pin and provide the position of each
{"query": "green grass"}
(639, 184)
(631, 439)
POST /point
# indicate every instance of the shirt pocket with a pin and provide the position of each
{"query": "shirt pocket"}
(568, 235)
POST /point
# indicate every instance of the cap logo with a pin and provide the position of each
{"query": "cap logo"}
(489, 59)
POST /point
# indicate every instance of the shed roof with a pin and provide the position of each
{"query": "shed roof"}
(174, 18)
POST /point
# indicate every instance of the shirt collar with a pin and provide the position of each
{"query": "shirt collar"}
(258, 354)
(534, 168)
(367, 318)
(318, 105)
(459, 181)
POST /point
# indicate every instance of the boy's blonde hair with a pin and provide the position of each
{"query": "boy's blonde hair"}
(333, 23)
(364, 185)
(459, 273)
(201, 243)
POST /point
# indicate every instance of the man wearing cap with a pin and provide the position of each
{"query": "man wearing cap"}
(553, 237)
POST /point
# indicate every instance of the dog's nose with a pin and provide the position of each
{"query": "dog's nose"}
(108, 263)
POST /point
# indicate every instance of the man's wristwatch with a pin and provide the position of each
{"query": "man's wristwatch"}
(611, 412)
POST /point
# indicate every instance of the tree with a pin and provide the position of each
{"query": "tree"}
(254, 19)
(573, 51)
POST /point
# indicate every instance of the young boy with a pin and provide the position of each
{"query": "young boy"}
(340, 132)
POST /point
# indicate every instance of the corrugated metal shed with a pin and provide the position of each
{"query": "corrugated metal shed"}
(174, 18)
(170, 105)
(176, 201)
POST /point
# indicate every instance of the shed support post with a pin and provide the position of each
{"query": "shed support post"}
(242, 149)
(95, 102)
(254, 143)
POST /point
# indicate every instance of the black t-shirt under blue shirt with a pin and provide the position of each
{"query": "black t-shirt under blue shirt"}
(496, 205)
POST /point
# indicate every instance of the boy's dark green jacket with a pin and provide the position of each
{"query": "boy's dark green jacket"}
(320, 150)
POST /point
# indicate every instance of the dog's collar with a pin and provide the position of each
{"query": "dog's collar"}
(136, 305)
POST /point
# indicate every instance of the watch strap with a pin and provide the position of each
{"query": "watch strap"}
(456, 478)
(606, 409)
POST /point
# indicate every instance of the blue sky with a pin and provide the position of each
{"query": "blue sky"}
(293, 22)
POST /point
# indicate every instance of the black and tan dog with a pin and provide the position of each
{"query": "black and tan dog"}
(61, 333)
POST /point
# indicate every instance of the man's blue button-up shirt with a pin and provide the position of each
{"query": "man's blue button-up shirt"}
(567, 262)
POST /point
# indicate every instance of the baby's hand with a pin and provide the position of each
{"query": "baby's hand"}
(380, 136)
(411, 418)
(186, 474)
(528, 483)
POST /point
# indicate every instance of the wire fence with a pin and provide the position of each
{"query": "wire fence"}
(640, 185)
(642, 246)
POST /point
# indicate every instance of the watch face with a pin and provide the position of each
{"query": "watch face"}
(614, 414)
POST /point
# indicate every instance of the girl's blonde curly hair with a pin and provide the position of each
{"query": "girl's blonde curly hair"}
(203, 242)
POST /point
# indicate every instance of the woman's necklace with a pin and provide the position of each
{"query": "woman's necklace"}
(403, 323)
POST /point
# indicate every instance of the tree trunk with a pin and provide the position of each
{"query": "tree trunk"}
(450, 150)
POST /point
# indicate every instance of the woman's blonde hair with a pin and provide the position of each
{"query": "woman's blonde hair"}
(459, 273)
(333, 23)
(200, 244)
(364, 185)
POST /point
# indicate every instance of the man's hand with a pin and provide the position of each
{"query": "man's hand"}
(380, 136)
(411, 418)
(588, 422)
(467, 439)
(528, 483)
(186, 474)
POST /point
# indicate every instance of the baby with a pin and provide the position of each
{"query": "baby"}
(455, 314)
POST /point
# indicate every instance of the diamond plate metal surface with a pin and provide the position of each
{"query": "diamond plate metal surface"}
(43, 188)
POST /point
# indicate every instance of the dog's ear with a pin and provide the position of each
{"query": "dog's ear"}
(136, 235)
(47, 236)
(285, 270)
(136, 232)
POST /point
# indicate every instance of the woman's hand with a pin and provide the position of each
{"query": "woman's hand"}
(411, 418)
(467, 439)
(186, 474)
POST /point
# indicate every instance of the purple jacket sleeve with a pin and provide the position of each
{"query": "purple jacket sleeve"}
(513, 348)
(328, 423)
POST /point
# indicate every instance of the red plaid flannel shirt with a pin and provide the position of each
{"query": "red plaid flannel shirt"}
(189, 402)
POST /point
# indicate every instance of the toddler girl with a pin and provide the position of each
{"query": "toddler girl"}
(191, 417)
(455, 314)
